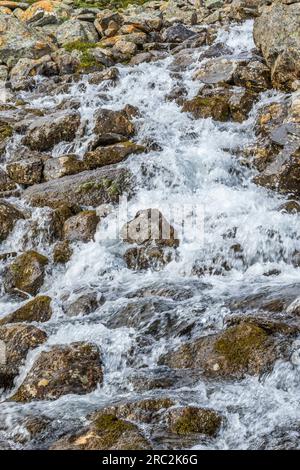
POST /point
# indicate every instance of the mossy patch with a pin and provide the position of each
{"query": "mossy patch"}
(110, 428)
(191, 420)
(6, 131)
(239, 342)
(87, 60)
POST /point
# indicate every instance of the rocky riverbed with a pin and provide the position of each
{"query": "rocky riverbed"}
(110, 337)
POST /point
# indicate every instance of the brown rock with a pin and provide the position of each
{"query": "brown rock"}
(18, 341)
(63, 369)
(190, 420)
(62, 166)
(9, 215)
(81, 227)
(112, 126)
(38, 309)
(25, 273)
(242, 349)
(62, 252)
(111, 154)
(27, 172)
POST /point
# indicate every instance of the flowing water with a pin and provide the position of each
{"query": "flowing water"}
(198, 165)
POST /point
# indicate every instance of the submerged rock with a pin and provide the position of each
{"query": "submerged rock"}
(63, 369)
(83, 305)
(242, 349)
(145, 411)
(106, 432)
(36, 310)
(18, 341)
(26, 273)
(9, 215)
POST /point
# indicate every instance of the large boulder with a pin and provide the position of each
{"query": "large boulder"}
(89, 188)
(63, 369)
(23, 73)
(9, 215)
(279, 42)
(45, 12)
(36, 310)
(17, 340)
(18, 40)
(241, 349)
(106, 432)
(26, 273)
(48, 131)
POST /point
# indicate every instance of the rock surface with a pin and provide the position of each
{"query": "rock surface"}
(74, 368)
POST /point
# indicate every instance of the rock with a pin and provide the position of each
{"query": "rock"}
(6, 131)
(18, 40)
(81, 227)
(180, 11)
(146, 21)
(111, 154)
(57, 218)
(45, 12)
(106, 432)
(75, 30)
(216, 70)
(26, 273)
(190, 420)
(27, 172)
(18, 341)
(112, 126)
(63, 369)
(89, 188)
(21, 75)
(108, 23)
(221, 104)
(239, 350)
(150, 226)
(84, 305)
(9, 215)
(146, 411)
(98, 77)
(38, 309)
(177, 33)
(62, 252)
(62, 166)
(290, 207)
(127, 48)
(254, 75)
(280, 42)
(48, 131)
(6, 184)
(149, 257)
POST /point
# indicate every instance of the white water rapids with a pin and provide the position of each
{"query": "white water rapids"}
(198, 165)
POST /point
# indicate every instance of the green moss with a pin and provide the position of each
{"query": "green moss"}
(239, 342)
(6, 131)
(110, 428)
(196, 420)
(37, 309)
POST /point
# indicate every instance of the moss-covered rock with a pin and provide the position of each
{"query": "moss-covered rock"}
(81, 227)
(38, 310)
(107, 432)
(9, 215)
(111, 154)
(62, 252)
(74, 368)
(89, 188)
(26, 273)
(190, 420)
(18, 341)
(6, 184)
(146, 411)
(241, 349)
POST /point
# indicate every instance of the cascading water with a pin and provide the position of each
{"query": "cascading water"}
(197, 165)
